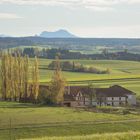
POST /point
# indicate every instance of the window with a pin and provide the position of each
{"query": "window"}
(112, 104)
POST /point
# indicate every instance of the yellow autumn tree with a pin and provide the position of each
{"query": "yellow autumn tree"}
(57, 85)
(35, 81)
(14, 76)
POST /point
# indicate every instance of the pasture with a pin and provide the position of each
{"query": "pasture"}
(107, 136)
(19, 121)
(124, 73)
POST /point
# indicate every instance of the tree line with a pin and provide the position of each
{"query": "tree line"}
(15, 84)
(20, 80)
(67, 54)
(72, 43)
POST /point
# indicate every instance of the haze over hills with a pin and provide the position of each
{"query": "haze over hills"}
(3, 35)
(72, 43)
(65, 40)
(57, 34)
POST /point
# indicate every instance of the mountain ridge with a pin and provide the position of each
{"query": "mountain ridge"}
(61, 33)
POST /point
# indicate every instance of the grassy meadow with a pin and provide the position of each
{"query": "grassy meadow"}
(107, 136)
(125, 73)
(19, 121)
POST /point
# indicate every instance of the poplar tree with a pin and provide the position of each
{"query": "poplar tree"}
(26, 79)
(20, 76)
(4, 72)
(35, 80)
(10, 76)
(14, 76)
(16, 79)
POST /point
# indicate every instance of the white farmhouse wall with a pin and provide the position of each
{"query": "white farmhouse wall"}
(123, 99)
(116, 103)
(131, 99)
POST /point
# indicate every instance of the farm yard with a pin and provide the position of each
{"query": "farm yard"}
(124, 73)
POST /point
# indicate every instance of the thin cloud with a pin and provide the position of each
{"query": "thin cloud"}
(99, 8)
(98, 5)
(67, 2)
(9, 16)
(42, 2)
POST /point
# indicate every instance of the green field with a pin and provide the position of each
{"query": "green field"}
(20, 121)
(125, 73)
(107, 136)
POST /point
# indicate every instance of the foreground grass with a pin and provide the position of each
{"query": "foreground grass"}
(31, 115)
(68, 130)
(19, 121)
(107, 136)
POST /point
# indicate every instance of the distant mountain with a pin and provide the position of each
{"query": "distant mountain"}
(57, 34)
(2, 35)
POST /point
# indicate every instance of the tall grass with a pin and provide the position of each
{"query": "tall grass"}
(107, 136)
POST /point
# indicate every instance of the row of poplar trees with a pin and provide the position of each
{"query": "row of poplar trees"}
(15, 83)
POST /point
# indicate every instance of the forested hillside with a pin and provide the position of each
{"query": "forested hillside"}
(68, 43)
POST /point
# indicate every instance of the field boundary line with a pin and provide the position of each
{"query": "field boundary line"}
(102, 80)
(67, 124)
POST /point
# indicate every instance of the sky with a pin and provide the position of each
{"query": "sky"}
(84, 18)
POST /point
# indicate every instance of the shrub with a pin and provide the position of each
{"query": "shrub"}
(77, 67)
(45, 97)
(125, 112)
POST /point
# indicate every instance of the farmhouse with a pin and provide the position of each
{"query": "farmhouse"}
(84, 96)
(112, 96)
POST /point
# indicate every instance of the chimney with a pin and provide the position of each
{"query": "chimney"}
(68, 90)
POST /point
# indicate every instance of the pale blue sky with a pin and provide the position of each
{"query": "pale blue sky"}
(85, 18)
